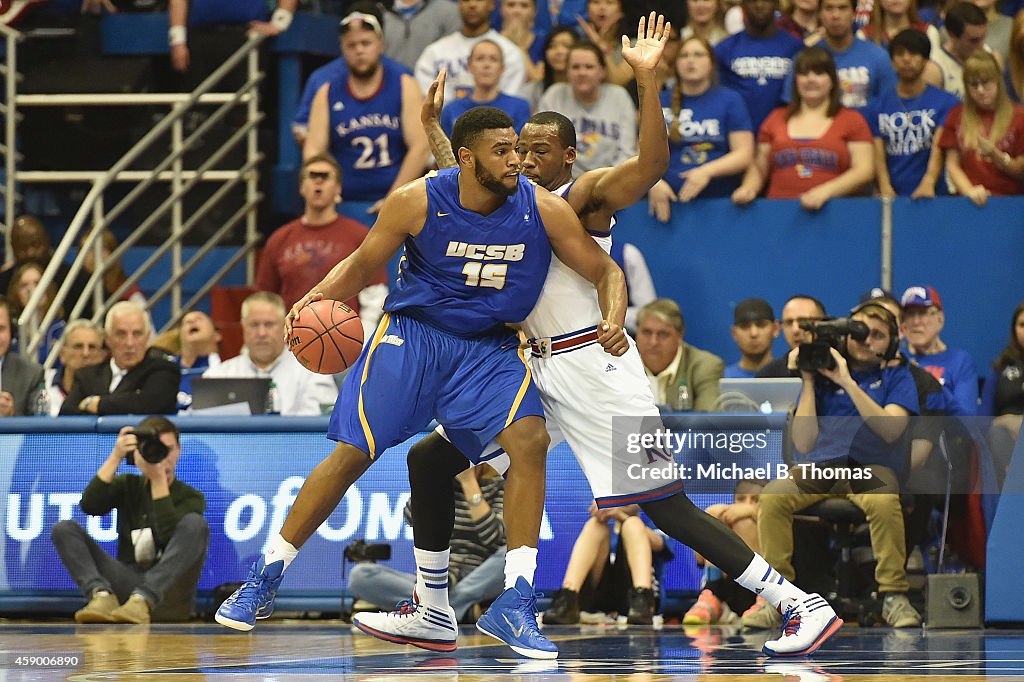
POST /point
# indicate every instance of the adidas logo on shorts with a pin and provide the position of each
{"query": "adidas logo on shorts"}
(610, 368)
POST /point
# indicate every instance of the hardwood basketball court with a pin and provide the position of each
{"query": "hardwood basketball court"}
(281, 650)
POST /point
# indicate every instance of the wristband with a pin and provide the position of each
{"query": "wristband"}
(177, 35)
(281, 18)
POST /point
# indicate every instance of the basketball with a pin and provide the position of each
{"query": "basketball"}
(327, 337)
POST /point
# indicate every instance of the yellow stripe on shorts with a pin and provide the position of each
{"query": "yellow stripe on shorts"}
(382, 327)
(522, 388)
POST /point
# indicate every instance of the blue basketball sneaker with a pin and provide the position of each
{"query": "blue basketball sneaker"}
(254, 599)
(512, 619)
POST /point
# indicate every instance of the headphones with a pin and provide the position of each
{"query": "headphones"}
(890, 321)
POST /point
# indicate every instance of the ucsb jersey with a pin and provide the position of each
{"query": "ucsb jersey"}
(366, 135)
(468, 273)
(568, 302)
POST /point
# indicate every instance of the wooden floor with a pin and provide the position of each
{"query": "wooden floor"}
(297, 650)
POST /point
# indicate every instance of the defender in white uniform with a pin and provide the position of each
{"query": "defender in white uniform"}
(583, 388)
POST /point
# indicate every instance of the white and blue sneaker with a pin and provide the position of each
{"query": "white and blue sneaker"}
(254, 599)
(427, 627)
(512, 619)
(806, 625)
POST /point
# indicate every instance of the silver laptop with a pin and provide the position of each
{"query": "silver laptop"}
(758, 396)
(209, 393)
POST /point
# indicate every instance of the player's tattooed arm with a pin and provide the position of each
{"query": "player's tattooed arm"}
(430, 116)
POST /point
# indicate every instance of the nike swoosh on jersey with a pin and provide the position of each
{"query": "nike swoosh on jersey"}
(442, 215)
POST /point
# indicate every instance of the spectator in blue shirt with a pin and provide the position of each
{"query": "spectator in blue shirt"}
(519, 24)
(754, 329)
(335, 70)
(863, 68)
(923, 320)
(906, 120)
(486, 64)
(854, 421)
(757, 62)
(711, 141)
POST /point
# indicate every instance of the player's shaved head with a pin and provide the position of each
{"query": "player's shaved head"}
(474, 123)
(561, 123)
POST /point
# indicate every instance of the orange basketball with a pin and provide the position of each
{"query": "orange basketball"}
(327, 337)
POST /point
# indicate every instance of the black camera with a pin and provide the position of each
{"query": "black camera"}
(360, 550)
(828, 334)
(152, 449)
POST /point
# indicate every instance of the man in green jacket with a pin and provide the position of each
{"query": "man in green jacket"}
(682, 376)
(162, 535)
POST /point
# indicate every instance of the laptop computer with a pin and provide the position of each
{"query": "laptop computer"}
(758, 396)
(229, 395)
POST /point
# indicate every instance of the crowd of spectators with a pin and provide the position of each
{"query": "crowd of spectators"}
(849, 137)
(565, 57)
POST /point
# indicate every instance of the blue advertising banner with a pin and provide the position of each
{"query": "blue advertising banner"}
(250, 479)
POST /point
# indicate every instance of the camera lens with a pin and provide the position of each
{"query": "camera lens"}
(150, 446)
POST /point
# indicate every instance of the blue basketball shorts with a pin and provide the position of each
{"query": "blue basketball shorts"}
(411, 373)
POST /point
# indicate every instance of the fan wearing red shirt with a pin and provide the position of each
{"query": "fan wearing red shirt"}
(984, 137)
(299, 254)
(814, 149)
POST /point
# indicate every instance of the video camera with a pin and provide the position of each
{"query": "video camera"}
(360, 550)
(828, 334)
(150, 446)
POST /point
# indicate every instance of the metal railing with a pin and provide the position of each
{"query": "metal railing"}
(9, 71)
(170, 172)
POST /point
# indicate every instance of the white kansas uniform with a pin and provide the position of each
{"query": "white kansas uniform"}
(592, 400)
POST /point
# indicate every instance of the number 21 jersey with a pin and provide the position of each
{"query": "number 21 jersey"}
(366, 135)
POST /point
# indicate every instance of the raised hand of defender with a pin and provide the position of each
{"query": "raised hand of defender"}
(430, 112)
(651, 36)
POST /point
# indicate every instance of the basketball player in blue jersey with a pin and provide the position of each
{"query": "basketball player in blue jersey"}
(478, 242)
(366, 118)
(580, 395)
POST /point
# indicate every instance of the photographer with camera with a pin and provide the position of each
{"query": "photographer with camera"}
(162, 535)
(850, 421)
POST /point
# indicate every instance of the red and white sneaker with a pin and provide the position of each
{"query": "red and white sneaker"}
(806, 625)
(423, 626)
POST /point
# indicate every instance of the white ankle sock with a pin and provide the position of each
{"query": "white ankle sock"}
(765, 581)
(432, 577)
(279, 549)
(521, 561)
